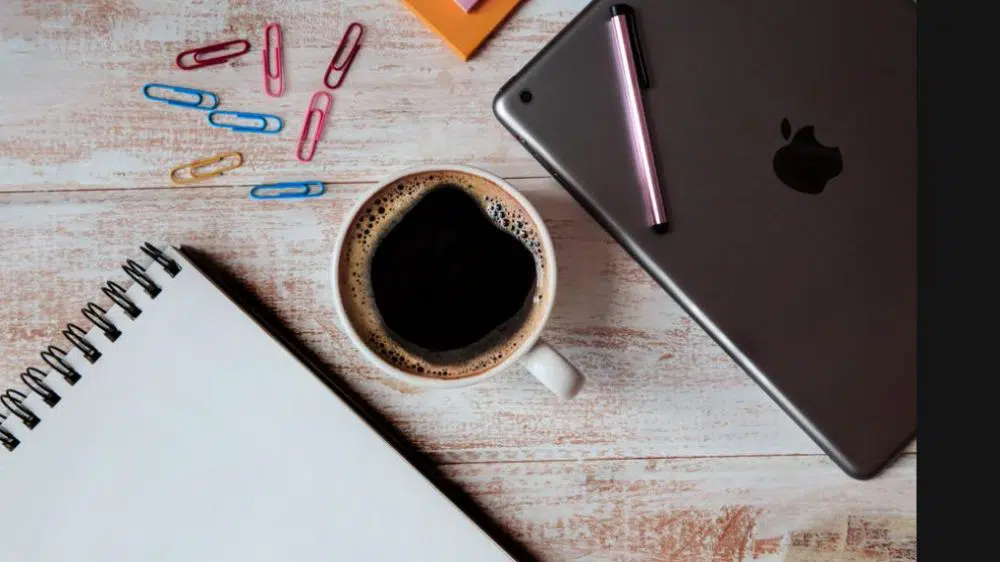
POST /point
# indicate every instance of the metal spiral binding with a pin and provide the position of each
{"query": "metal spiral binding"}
(37, 384)
(55, 357)
(117, 294)
(77, 336)
(7, 438)
(138, 274)
(98, 317)
(14, 400)
(168, 265)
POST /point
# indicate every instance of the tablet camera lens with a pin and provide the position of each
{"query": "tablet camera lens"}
(526, 96)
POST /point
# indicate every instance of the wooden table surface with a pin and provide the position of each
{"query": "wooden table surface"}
(670, 453)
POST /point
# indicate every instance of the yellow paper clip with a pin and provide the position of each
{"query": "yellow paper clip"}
(193, 176)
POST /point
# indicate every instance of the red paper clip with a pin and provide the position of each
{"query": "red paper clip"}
(346, 64)
(198, 54)
(320, 118)
(276, 75)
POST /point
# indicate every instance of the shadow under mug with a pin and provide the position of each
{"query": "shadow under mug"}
(544, 362)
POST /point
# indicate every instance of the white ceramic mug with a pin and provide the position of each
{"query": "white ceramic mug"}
(544, 362)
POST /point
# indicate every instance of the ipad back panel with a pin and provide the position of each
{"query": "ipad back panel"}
(812, 292)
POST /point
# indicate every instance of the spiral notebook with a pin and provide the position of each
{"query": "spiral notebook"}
(178, 428)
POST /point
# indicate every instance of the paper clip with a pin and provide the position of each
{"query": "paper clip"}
(266, 121)
(197, 55)
(288, 190)
(193, 175)
(320, 123)
(276, 75)
(345, 65)
(201, 95)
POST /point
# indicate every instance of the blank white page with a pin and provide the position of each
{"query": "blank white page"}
(197, 436)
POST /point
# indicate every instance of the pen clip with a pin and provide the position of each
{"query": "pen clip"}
(633, 37)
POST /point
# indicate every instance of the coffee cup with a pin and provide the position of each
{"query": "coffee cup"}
(445, 276)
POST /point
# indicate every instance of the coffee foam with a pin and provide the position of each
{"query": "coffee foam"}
(379, 216)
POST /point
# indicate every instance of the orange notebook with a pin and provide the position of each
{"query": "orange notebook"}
(464, 32)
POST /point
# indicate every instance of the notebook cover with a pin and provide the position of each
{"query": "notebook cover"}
(197, 435)
(250, 303)
(463, 32)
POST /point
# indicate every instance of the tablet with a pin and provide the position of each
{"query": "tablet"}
(785, 137)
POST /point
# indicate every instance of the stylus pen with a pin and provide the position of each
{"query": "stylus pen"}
(632, 79)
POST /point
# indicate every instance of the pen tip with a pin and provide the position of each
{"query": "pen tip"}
(661, 228)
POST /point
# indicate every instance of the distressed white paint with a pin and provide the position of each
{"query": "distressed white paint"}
(84, 160)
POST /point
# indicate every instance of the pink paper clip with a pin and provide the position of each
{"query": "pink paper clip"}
(197, 55)
(314, 113)
(344, 65)
(273, 74)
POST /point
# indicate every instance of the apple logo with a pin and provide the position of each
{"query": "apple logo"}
(804, 164)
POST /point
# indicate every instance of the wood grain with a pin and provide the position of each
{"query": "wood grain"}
(671, 453)
(658, 385)
(74, 117)
(741, 509)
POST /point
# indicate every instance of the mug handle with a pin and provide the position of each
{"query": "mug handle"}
(553, 370)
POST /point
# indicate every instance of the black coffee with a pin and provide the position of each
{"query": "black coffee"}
(442, 274)
(446, 278)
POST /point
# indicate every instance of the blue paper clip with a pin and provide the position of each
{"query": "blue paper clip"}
(264, 119)
(196, 104)
(288, 190)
